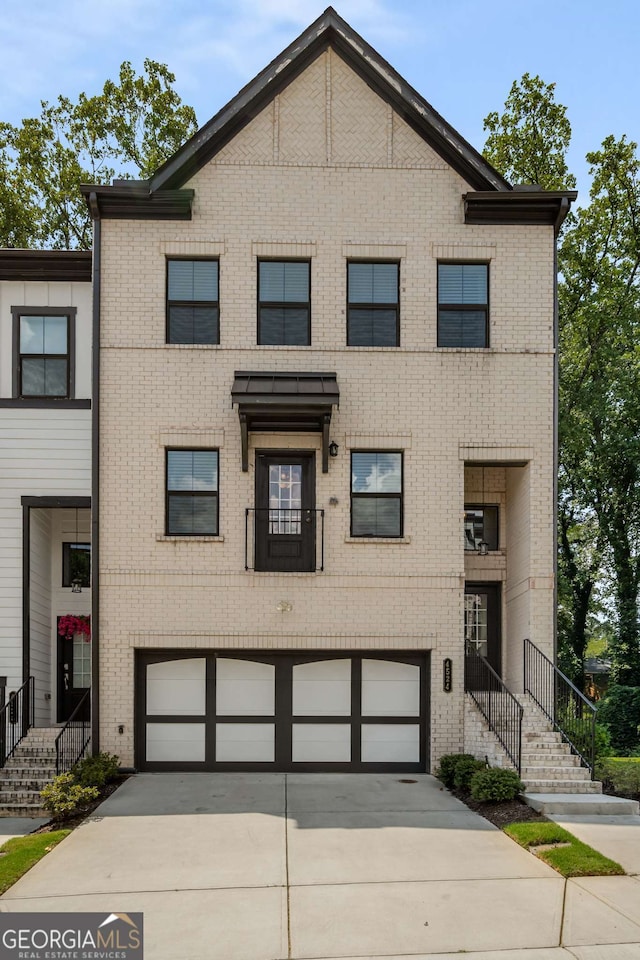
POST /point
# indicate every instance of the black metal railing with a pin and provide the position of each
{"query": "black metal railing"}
(16, 717)
(75, 736)
(569, 710)
(269, 521)
(496, 703)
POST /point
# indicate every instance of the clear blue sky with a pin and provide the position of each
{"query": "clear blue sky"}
(462, 55)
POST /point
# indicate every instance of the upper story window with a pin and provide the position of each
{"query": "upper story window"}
(480, 526)
(376, 493)
(463, 305)
(372, 297)
(193, 311)
(192, 493)
(43, 366)
(284, 302)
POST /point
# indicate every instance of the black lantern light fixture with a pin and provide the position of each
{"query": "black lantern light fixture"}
(483, 546)
(333, 449)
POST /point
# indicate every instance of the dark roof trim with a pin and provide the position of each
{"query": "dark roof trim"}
(300, 402)
(548, 207)
(69, 265)
(328, 30)
(134, 201)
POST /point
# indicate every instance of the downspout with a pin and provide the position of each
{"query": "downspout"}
(95, 479)
(564, 207)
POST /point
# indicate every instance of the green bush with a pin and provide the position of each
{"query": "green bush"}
(64, 796)
(620, 714)
(96, 771)
(495, 785)
(447, 770)
(623, 773)
(465, 770)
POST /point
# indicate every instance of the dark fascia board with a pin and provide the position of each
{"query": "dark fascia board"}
(328, 30)
(56, 265)
(548, 207)
(134, 201)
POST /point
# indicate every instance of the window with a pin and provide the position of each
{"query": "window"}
(372, 298)
(463, 305)
(76, 564)
(193, 314)
(376, 494)
(480, 526)
(192, 492)
(284, 307)
(43, 354)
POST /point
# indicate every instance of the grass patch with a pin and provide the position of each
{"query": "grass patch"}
(21, 853)
(575, 860)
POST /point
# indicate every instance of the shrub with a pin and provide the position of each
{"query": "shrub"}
(495, 785)
(465, 770)
(447, 770)
(96, 771)
(64, 796)
(622, 773)
(620, 713)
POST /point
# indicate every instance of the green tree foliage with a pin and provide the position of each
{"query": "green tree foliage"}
(619, 712)
(127, 130)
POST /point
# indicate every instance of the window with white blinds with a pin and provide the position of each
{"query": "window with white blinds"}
(284, 307)
(376, 493)
(193, 310)
(192, 492)
(463, 300)
(372, 295)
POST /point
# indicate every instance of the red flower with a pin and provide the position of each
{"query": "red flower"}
(70, 624)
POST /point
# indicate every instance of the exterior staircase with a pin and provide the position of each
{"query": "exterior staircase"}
(31, 767)
(547, 763)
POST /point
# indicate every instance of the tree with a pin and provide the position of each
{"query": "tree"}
(127, 130)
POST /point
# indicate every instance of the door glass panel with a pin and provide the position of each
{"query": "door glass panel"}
(475, 623)
(322, 689)
(176, 687)
(245, 687)
(245, 742)
(175, 741)
(81, 662)
(321, 743)
(390, 689)
(285, 498)
(390, 743)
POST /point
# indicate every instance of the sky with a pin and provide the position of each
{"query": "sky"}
(461, 55)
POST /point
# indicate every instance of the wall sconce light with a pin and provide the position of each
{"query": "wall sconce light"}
(283, 606)
(333, 449)
(483, 546)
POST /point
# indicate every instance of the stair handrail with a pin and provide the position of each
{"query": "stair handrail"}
(16, 719)
(73, 739)
(569, 711)
(501, 710)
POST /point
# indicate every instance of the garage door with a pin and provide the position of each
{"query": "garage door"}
(364, 712)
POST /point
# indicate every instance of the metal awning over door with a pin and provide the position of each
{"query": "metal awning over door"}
(352, 712)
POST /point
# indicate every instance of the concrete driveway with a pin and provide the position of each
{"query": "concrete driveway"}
(263, 867)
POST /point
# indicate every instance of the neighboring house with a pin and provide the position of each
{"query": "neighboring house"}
(325, 428)
(45, 474)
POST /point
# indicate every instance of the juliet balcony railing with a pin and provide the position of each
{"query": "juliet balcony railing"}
(16, 718)
(283, 540)
(566, 707)
(496, 703)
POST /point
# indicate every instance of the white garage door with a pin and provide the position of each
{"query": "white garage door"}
(307, 712)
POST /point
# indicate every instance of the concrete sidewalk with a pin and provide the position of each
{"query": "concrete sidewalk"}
(258, 867)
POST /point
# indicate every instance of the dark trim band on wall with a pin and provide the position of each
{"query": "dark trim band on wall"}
(46, 265)
(41, 403)
(95, 486)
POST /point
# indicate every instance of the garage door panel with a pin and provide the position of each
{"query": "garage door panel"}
(390, 743)
(321, 743)
(322, 688)
(245, 742)
(245, 688)
(390, 689)
(175, 742)
(176, 688)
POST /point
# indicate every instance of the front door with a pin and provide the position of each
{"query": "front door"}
(285, 519)
(74, 675)
(482, 622)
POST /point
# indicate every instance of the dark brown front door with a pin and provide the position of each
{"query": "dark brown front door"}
(482, 618)
(74, 676)
(285, 524)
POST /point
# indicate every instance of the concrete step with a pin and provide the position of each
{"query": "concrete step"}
(23, 810)
(562, 786)
(19, 796)
(550, 759)
(544, 736)
(555, 772)
(557, 804)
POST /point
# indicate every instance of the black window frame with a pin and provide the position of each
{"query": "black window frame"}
(190, 493)
(67, 579)
(215, 304)
(70, 356)
(284, 304)
(378, 496)
(464, 307)
(485, 506)
(374, 306)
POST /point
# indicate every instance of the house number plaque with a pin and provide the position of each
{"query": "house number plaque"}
(446, 674)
